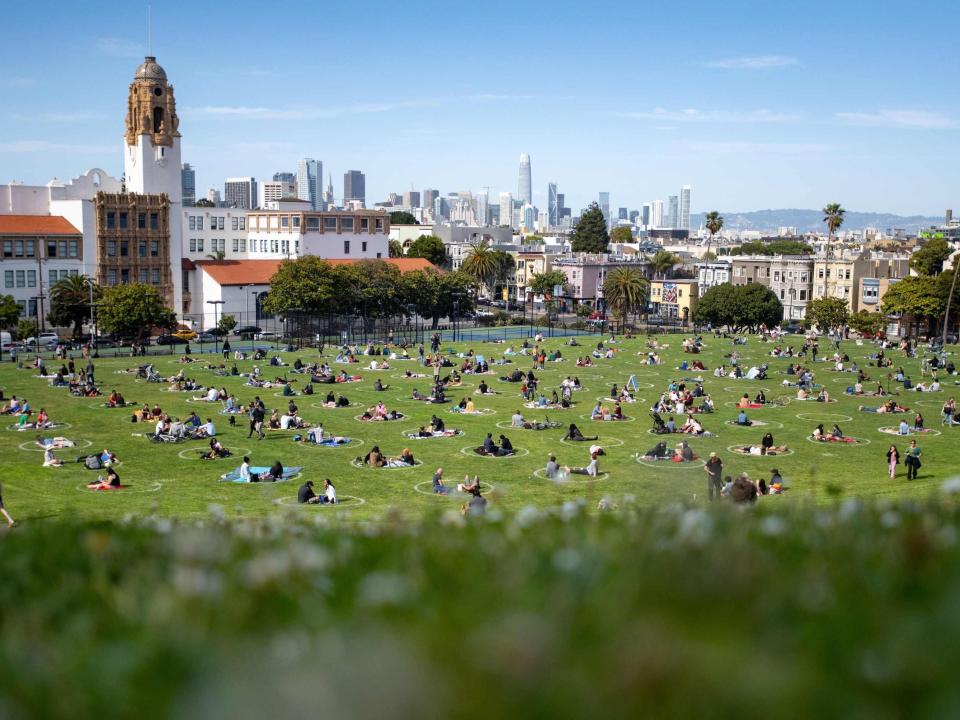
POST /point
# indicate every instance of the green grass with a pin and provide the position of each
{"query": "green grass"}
(164, 483)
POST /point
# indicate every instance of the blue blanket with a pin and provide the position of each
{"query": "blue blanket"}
(234, 475)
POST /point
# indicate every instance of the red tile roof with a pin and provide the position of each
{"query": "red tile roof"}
(259, 272)
(36, 225)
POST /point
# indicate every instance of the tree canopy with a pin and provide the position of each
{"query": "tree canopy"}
(828, 313)
(833, 216)
(430, 247)
(739, 306)
(621, 234)
(394, 249)
(867, 323)
(70, 301)
(432, 293)
(917, 295)
(402, 217)
(544, 283)
(591, 234)
(132, 310)
(776, 247)
(625, 289)
(662, 262)
(9, 311)
(929, 259)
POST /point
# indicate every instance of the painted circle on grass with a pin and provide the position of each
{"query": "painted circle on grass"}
(828, 443)
(814, 400)
(626, 419)
(462, 385)
(851, 381)
(75, 446)
(692, 465)
(451, 490)
(280, 394)
(410, 398)
(776, 425)
(342, 501)
(549, 408)
(489, 393)
(202, 401)
(735, 449)
(359, 418)
(602, 442)
(539, 473)
(682, 436)
(932, 402)
(321, 406)
(752, 390)
(359, 465)
(354, 443)
(826, 417)
(506, 425)
(406, 434)
(769, 404)
(57, 426)
(896, 432)
(517, 452)
(155, 487)
(423, 376)
(234, 453)
(481, 411)
(604, 399)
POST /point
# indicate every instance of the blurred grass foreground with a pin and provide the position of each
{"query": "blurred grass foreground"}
(850, 610)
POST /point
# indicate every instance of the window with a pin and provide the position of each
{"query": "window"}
(32, 307)
(23, 306)
(285, 222)
(346, 224)
(781, 293)
(219, 223)
(123, 221)
(74, 248)
(346, 247)
(379, 255)
(296, 222)
(124, 277)
(142, 221)
(155, 276)
(846, 274)
(111, 277)
(363, 246)
(142, 248)
(8, 278)
(379, 225)
(199, 244)
(330, 223)
(200, 223)
(803, 277)
(21, 279)
(776, 276)
(143, 276)
(243, 223)
(235, 223)
(29, 247)
(803, 294)
(364, 224)
(243, 245)
(192, 223)
(828, 272)
(155, 222)
(236, 245)
(111, 220)
(313, 223)
(52, 277)
(154, 248)
(111, 248)
(124, 248)
(8, 248)
(193, 245)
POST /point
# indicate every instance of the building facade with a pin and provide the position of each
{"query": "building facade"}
(188, 185)
(674, 299)
(354, 188)
(310, 183)
(240, 193)
(586, 273)
(684, 223)
(525, 181)
(711, 274)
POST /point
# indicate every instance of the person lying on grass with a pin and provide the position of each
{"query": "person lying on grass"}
(574, 434)
(891, 406)
(592, 469)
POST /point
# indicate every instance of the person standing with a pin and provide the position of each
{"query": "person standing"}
(949, 410)
(3, 510)
(714, 469)
(893, 459)
(912, 460)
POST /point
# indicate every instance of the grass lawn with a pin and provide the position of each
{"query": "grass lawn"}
(168, 480)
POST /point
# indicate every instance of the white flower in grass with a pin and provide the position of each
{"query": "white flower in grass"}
(773, 525)
(951, 486)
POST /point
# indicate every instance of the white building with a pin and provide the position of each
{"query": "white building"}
(525, 183)
(684, 223)
(656, 214)
(271, 190)
(506, 209)
(710, 274)
(209, 231)
(309, 179)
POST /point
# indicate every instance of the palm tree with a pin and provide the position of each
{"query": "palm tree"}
(217, 255)
(70, 300)
(833, 216)
(663, 262)
(953, 287)
(625, 290)
(394, 249)
(714, 224)
(503, 266)
(480, 263)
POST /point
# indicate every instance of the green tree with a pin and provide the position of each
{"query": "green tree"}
(621, 234)
(203, 202)
(306, 284)
(402, 217)
(370, 288)
(625, 289)
(756, 305)
(663, 262)
(430, 247)
(132, 310)
(929, 259)
(917, 295)
(776, 247)
(432, 292)
(533, 240)
(717, 306)
(828, 313)
(590, 235)
(217, 255)
(27, 327)
(480, 263)
(70, 301)
(9, 312)
(503, 264)
(394, 249)
(833, 217)
(714, 224)
(544, 283)
(868, 323)
(227, 324)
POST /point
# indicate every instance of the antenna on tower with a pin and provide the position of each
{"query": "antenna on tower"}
(149, 30)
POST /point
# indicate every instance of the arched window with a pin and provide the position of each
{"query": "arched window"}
(157, 119)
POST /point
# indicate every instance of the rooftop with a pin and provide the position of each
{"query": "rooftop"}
(36, 225)
(259, 272)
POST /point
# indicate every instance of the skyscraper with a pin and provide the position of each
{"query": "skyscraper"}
(506, 209)
(621, 213)
(328, 199)
(673, 211)
(188, 185)
(525, 185)
(645, 214)
(553, 206)
(684, 223)
(482, 201)
(354, 187)
(656, 214)
(285, 177)
(411, 199)
(634, 216)
(428, 196)
(309, 177)
(605, 207)
(240, 192)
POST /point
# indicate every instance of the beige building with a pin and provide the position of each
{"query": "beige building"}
(842, 276)
(788, 276)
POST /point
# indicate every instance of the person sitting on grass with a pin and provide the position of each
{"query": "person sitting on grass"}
(517, 420)
(115, 400)
(51, 460)
(592, 469)
(438, 487)
(743, 420)
(375, 458)
(405, 458)
(274, 474)
(436, 424)
(574, 434)
(111, 482)
(658, 452)
(683, 453)
(552, 470)
(216, 450)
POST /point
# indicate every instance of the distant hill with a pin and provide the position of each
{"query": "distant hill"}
(812, 220)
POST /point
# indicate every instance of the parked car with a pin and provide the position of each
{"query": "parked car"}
(167, 339)
(498, 304)
(185, 334)
(42, 340)
(793, 328)
(205, 337)
(267, 335)
(247, 331)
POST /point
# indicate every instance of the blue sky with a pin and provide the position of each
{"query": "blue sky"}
(754, 105)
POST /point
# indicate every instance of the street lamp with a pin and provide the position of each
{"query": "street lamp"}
(412, 310)
(96, 328)
(457, 297)
(216, 324)
(40, 298)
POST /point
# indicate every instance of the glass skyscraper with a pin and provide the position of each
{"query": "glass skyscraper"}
(525, 185)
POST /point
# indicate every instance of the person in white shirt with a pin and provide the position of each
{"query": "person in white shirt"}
(159, 427)
(209, 428)
(245, 469)
(285, 421)
(212, 395)
(516, 420)
(329, 492)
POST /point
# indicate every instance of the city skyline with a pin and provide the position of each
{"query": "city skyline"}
(747, 122)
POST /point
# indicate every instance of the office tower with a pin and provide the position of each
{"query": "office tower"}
(272, 190)
(673, 211)
(240, 192)
(411, 199)
(684, 223)
(506, 209)
(621, 213)
(395, 199)
(656, 214)
(561, 203)
(553, 207)
(605, 206)
(482, 201)
(309, 177)
(354, 187)
(328, 200)
(188, 185)
(634, 216)
(287, 177)
(645, 214)
(427, 197)
(213, 195)
(525, 185)
(441, 209)
(528, 213)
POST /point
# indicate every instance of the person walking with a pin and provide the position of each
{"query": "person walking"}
(912, 460)
(714, 470)
(3, 510)
(949, 410)
(893, 459)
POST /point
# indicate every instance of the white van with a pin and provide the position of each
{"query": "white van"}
(5, 340)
